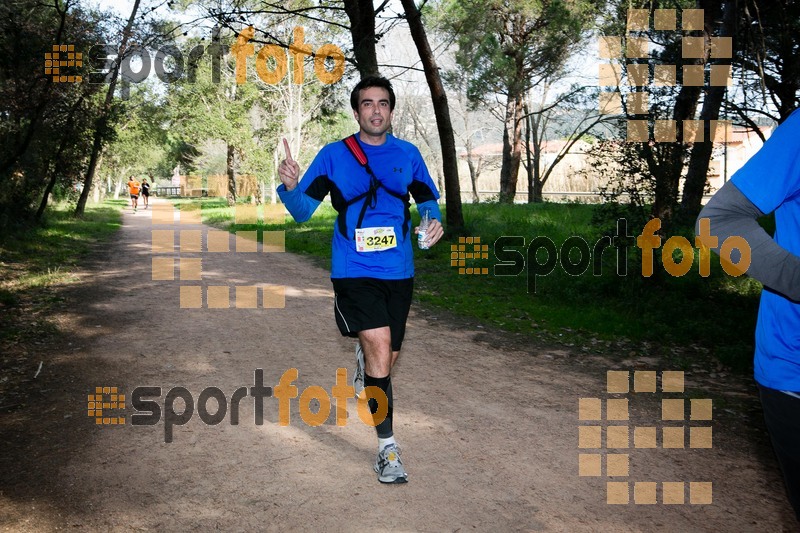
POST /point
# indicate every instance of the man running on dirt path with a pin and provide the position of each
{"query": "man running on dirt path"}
(133, 189)
(372, 270)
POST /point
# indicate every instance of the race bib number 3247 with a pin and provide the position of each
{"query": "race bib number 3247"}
(375, 239)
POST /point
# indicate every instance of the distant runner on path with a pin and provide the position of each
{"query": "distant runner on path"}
(145, 192)
(370, 176)
(133, 189)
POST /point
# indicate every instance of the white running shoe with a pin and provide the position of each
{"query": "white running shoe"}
(389, 466)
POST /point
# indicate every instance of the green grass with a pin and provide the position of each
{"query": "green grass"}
(716, 314)
(48, 252)
(679, 318)
(36, 258)
(312, 238)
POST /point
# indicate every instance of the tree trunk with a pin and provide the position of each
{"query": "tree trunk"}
(119, 181)
(667, 171)
(230, 160)
(512, 147)
(362, 29)
(473, 175)
(101, 127)
(697, 174)
(454, 215)
(65, 139)
(667, 174)
(528, 158)
(258, 197)
(538, 186)
(50, 185)
(474, 171)
(538, 180)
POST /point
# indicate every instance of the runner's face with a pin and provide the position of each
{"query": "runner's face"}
(373, 113)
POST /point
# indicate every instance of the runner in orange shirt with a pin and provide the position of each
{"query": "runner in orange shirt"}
(133, 188)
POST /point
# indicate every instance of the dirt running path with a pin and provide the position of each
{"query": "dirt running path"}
(488, 425)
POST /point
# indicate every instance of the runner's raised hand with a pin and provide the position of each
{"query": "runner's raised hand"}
(288, 170)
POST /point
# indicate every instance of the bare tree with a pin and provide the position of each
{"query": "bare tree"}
(454, 215)
(697, 173)
(578, 118)
(101, 129)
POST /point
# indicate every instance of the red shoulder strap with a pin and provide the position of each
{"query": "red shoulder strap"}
(355, 149)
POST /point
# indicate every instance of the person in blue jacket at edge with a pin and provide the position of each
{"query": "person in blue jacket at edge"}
(770, 182)
(370, 177)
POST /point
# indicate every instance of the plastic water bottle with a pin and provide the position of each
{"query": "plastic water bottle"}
(423, 229)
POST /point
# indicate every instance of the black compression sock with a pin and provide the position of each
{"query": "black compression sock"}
(385, 384)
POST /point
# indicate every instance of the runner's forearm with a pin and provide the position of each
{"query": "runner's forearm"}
(300, 205)
(731, 213)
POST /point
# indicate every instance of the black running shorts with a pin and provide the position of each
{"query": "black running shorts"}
(369, 303)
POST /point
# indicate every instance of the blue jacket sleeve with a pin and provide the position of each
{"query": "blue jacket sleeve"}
(433, 205)
(300, 205)
(303, 200)
(422, 188)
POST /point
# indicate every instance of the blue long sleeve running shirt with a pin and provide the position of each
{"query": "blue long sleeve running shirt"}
(399, 167)
(771, 181)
